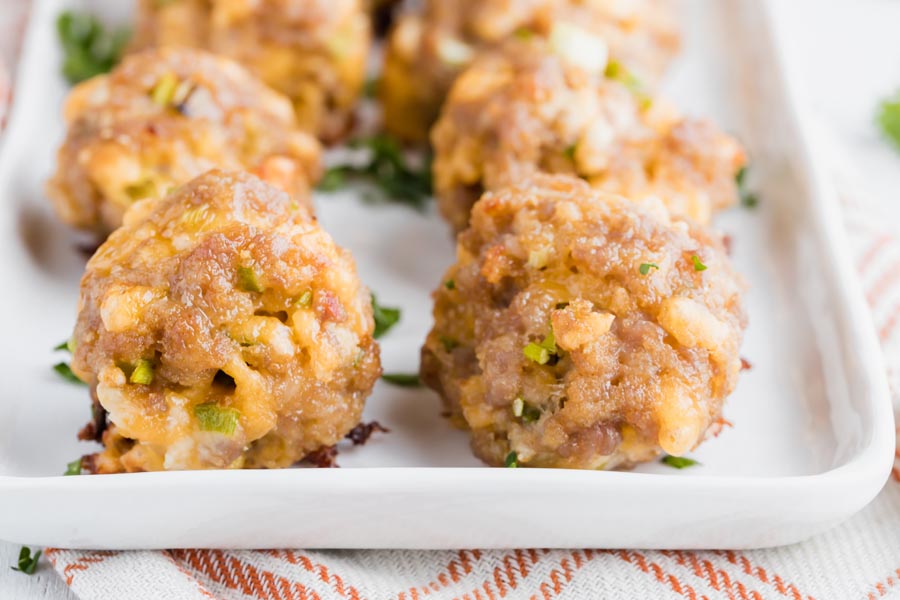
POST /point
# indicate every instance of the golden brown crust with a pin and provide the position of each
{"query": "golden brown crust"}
(237, 301)
(622, 364)
(527, 108)
(163, 117)
(313, 51)
(428, 49)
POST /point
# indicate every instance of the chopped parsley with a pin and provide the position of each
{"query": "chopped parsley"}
(388, 170)
(645, 267)
(450, 284)
(888, 119)
(748, 198)
(248, 280)
(385, 317)
(28, 562)
(88, 48)
(213, 417)
(698, 265)
(448, 343)
(63, 346)
(512, 460)
(73, 468)
(65, 371)
(678, 462)
(402, 379)
(541, 353)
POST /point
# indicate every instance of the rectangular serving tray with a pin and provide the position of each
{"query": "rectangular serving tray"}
(813, 431)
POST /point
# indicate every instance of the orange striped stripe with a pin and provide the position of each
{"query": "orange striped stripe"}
(785, 589)
(676, 585)
(83, 563)
(455, 570)
(243, 577)
(883, 285)
(514, 567)
(200, 587)
(325, 576)
(882, 587)
(866, 260)
(560, 577)
(718, 579)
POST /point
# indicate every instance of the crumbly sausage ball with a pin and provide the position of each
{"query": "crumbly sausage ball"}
(528, 107)
(428, 49)
(313, 51)
(160, 119)
(222, 328)
(579, 329)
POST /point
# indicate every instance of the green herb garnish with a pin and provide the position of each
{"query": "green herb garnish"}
(570, 151)
(388, 170)
(888, 119)
(402, 379)
(541, 353)
(448, 343)
(678, 462)
(645, 267)
(65, 371)
(698, 265)
(73, 468)
(305, 299)
(142, 373)
(385, 317)
(88, 48)
(748, 198)
(213, 417)
(248, 280)
(618, 72)
(63, 346)
(525, 411)
(27, 562)
(450, 284)
(164, 91)
(512, 460)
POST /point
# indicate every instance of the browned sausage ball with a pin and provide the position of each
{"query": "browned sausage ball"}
(222, 328)
(579, 329)
(163, 117)
(313, 51)
(429, 48)
(528, 107)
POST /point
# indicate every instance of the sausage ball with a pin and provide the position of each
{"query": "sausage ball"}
(529, 107)
(578, 329)
(313, 51)
(163, 117)
(428, 49)
(222, 328)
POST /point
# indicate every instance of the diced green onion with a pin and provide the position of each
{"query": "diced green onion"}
(645, 267)
(530, 413)
(213, 417)
(537, 353)
(402, 379)
(450, 284)
(448, 343)
(679, 462)
(142, 373)
(248, 280)
(512, 460)
(164, 91)
(73, 468)
(141, 189)
(305, 299)
(698, 265)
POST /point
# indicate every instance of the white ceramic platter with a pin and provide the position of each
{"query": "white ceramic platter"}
(813, 431)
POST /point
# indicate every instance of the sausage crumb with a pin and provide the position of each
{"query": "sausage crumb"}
(360, 434)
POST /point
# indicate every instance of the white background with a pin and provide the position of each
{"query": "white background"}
(848, 52)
